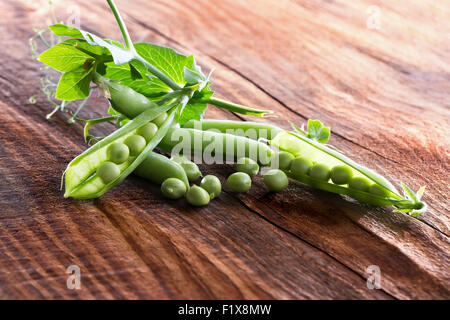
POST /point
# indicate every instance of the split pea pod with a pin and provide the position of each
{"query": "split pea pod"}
(92, 173)
(347, 177)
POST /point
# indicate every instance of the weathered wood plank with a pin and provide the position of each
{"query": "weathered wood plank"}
(299, 244)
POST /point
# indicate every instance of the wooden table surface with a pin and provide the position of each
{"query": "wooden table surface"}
(384, 92)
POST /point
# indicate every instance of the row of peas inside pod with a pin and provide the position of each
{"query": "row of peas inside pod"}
(338, 174)
(131, 146)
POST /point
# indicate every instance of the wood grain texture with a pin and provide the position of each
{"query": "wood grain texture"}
(384, 93)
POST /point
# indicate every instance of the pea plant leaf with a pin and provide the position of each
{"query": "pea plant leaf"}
(74, 84)
(64, 57)
(170, 62)
(181, 69)
(192, 76)
(92, 50)
(143, 85)
(63, 30)
(119, 53)
(317, 131)
(196, 107)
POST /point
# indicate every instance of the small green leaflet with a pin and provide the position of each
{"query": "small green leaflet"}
(124, 75)
(92, 50)
(317, 131)
(119, 53)
(64, 57)
(62, 30)
(74, 84)
(170, 62)
(196, 107)
(193, 77)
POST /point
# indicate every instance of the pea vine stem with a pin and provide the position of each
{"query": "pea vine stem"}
(123, 28)
(129, 46)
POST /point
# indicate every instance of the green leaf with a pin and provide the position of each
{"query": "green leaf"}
(123, 74)
(64, 30)
(64, 57)
(409, 193)
(420, 192)
(119, 53)
(74, 84)
(167, 60)
(196, 107)
(193, 77)
(317, 131)
(92, 50)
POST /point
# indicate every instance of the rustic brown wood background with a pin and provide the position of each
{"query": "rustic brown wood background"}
(385, 93)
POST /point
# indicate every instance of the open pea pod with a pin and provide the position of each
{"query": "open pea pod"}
(317, 152)
(81, 178)
(309, 145)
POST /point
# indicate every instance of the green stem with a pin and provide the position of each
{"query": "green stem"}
(122, 26)
(129, 45)
(234, 107)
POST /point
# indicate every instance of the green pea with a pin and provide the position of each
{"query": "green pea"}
(197, 196)
(247, 165)
(191, 169)
(108, 171)
(359, 183)
(378, 190)
(276, 180)
(301, 166)
(118, 152)
(239, 182)
(148, 131)
(284, 160)
(159, 120)
(212, 185)
(320, 171)
(173, 188)
(341, 174)
(136, 144)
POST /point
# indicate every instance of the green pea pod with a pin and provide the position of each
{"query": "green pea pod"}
(252, 130)
(221, 146)
(127, 101)
(300, 145)
(81, 179)
(157, 168)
